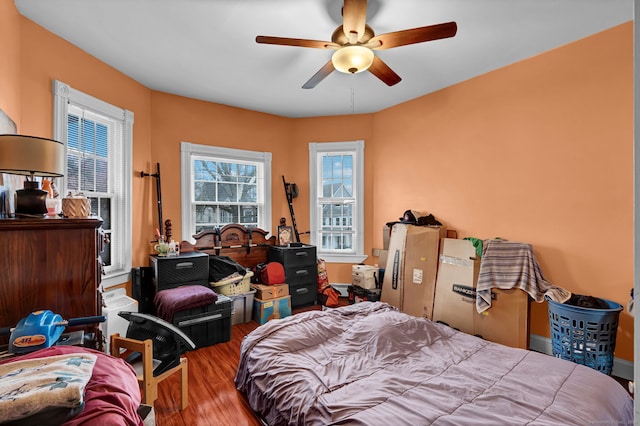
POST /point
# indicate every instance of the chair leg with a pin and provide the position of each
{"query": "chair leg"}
(150, 392)
(184, 386)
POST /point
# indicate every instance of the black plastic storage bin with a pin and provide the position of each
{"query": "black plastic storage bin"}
(300, 265)
(175, 271)
(585, 336)
(207, 325)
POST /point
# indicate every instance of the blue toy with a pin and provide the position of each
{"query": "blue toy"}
(41, 329)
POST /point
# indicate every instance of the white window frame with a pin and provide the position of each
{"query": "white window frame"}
(316, 151)
(120, 170)
(190, 150)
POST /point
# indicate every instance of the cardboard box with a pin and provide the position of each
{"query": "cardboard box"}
(456, 285)
(365, 276)
(386, 236)
(506, 322)
(382, 259)
(412, 263)
(265, 310)
(266, 292)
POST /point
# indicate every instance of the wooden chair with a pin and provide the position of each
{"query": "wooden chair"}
(144, 368)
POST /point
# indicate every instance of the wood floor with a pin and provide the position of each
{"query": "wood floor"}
(213, 398)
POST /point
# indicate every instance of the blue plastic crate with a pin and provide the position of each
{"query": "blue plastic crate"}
(584, 335)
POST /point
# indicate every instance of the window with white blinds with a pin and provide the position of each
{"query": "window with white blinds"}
(98, 143)
(222, 186)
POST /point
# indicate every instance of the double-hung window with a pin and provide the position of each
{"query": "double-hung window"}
(98, 143)
(222, 186)
(336, 176)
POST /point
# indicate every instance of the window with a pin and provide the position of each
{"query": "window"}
(98, 141)
(222, 186)
(336, 176)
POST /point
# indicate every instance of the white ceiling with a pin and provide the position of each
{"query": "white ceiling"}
(206, 49)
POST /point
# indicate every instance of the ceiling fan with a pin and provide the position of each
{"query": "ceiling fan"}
(354, 42)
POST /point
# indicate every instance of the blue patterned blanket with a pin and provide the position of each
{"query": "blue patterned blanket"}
(35, 385)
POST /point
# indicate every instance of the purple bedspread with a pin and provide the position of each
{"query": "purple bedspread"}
(369, 364)
(168, 302)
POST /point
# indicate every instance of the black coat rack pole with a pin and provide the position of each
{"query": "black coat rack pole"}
(289, 193)
(159, 194)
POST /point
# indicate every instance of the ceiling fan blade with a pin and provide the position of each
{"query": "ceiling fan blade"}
(373, 44)
(416, 35)
(319, 76)
(354, 16)
(300, 42)
(383, 72)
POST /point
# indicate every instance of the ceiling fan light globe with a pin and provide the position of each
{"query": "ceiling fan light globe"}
(352, 59)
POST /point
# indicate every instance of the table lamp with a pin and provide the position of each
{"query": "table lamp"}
(31, 156)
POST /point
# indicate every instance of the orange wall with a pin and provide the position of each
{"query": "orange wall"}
(10, 63)
(538, 152)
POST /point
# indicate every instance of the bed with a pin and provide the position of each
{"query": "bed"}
(370, 364)
(111, 396)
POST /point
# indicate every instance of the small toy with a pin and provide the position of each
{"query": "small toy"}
(41, 329)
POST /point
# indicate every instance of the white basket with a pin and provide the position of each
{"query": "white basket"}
(233, 286)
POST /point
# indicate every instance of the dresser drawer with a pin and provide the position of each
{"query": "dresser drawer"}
(301, 275)
(292, 257)
(305, 294)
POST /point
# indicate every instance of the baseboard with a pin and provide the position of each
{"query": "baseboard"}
(621, 367)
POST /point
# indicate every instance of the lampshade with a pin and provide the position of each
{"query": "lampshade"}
(31, 156)
(352, 59)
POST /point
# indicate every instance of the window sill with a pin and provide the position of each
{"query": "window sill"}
(115, 278)
(343, 258)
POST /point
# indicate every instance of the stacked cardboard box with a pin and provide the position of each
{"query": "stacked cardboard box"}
(411, 267)
(266, 292)
(271, 302)
(265, 310)
(506, 322)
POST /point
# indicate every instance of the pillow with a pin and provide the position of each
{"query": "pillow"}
(168, 302)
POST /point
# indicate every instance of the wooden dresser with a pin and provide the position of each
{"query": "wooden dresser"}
(53, 264)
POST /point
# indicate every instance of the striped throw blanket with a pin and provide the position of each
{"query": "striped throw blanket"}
(506, 265)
